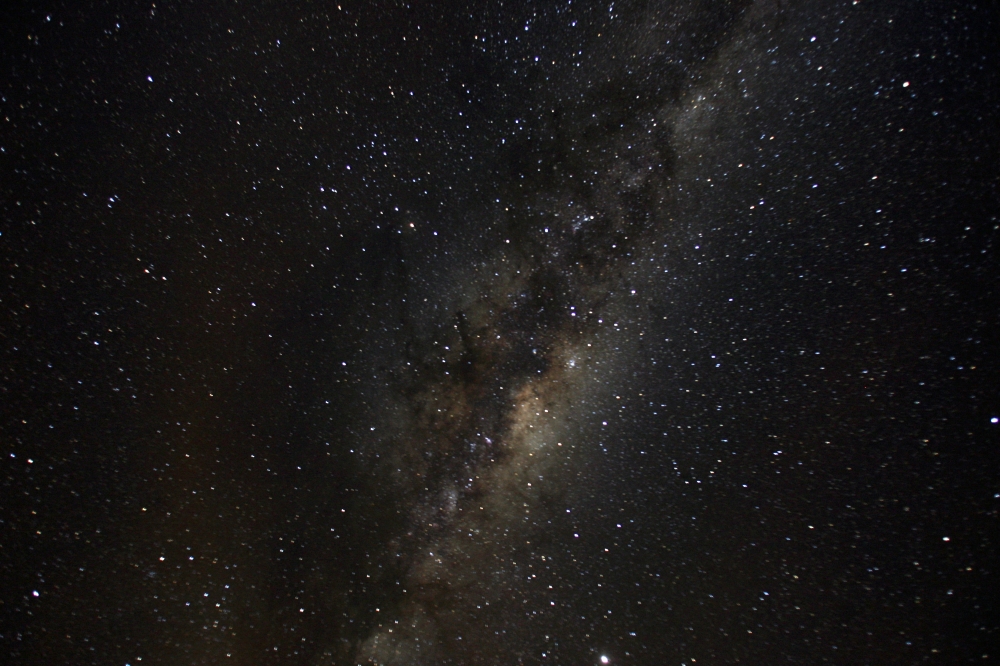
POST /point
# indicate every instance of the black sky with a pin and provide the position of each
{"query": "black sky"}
(498, 333)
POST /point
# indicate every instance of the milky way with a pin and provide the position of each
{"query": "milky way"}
(493, 427)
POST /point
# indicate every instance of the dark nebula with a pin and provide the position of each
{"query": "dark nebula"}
(628, 332)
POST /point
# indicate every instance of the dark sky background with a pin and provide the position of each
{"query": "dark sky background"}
(633, 332)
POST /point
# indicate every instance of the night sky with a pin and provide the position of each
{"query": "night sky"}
(640, 332)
